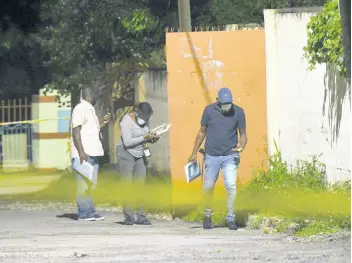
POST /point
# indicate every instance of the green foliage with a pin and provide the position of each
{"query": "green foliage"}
(138, 21)
(324, 45)
(225, 12)
(321, 225)
(21, 69)
(301, 226)
(81, 37)
(307, 175)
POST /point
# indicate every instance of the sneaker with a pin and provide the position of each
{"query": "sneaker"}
(207, 223)
(232, 225)
(128, 221)
(143, 221)
(99, 217)
(87, 218)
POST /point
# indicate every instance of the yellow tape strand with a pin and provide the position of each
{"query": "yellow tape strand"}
(33, 121)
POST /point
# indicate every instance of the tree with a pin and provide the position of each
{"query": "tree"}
(225, 12)
(345, 11)
(95, 43)
(22, 14)
(21, 70)
(324, 45)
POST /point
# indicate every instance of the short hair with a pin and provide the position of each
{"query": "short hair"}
(86, 92)
(145, 109)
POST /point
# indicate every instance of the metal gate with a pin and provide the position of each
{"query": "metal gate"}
(15, 134)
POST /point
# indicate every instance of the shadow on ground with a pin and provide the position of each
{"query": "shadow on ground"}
(71, 216)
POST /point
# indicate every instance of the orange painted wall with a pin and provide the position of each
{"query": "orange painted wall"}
(198, 65)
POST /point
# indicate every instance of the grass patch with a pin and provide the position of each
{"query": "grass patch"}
(318, 227)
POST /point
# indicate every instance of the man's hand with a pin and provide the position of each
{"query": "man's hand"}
(193, 158)
(83, 157)
(238, 149)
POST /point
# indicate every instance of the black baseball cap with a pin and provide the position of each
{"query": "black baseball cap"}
(145, 110)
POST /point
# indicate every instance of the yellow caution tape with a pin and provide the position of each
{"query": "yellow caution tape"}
(33, 121)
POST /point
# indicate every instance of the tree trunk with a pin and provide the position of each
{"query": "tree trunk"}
(345, 12)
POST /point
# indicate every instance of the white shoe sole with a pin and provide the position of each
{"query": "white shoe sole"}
(87, 219)
(100, 218)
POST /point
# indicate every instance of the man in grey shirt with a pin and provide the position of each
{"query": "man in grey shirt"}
(220, 124)
(131, 155)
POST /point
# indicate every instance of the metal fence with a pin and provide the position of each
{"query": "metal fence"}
(15, 137)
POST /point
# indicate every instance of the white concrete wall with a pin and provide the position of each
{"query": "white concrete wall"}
(308, 114)
(51, 153)
(155, 83)
(50, 149)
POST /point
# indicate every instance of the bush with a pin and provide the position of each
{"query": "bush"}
(306, 175)
(324, 43)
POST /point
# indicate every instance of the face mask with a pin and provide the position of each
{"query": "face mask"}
(225, 107)
(140, 121)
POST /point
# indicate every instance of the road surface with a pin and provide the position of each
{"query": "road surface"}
(50, 236)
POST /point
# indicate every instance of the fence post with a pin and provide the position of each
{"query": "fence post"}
(50, 133)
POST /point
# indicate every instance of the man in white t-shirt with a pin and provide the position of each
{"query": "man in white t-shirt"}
(86, 146)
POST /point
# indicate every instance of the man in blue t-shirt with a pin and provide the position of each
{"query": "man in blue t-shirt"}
(220, 124)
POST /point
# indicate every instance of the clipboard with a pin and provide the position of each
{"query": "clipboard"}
(192, 171)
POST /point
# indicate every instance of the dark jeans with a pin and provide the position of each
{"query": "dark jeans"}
(84, 199)
(133, 173)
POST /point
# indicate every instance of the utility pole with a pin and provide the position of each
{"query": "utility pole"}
(184, 15)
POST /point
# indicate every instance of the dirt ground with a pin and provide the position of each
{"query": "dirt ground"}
(52, 236)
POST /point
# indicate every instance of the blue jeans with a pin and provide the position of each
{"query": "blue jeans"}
(84, 199)
(228, 164)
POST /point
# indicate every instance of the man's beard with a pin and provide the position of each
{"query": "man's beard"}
(225, 108)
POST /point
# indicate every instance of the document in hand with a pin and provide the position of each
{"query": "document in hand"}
(161, 129)
(85, 169)
(192, 171)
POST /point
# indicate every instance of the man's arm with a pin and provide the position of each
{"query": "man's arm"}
(78, 119)
(76, 136)
(199, 140)
(243, 138)
(105, 120)
(242, 130)
(200, 136)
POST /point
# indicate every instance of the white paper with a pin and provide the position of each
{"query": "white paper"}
(161, 129)
(85, 169)
(146, 152)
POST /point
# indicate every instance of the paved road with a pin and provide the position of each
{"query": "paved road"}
(41, 236)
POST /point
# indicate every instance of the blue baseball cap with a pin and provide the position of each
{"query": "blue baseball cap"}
(225, 95)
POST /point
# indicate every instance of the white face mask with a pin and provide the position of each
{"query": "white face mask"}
(140, 121)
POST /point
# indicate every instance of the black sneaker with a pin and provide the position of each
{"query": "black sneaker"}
(128, 221)
(207, 223)
(143, 221)
(99, 217)
(232, 225)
